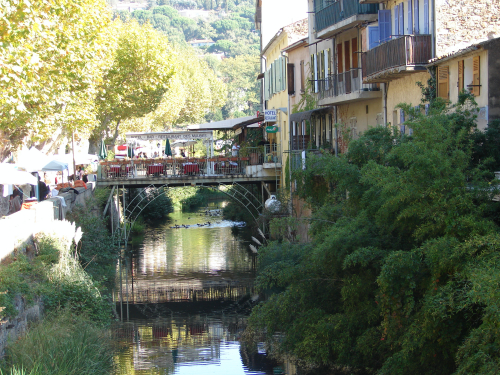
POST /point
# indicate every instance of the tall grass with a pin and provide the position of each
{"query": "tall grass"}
(62, 344)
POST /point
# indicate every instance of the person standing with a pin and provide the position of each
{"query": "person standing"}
(235, 149)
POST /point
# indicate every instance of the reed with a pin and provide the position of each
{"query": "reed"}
(61, 344)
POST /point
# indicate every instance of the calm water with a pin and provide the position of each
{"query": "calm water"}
(188, 301)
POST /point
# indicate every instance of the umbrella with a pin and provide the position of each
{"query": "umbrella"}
(9, 175)
(102, 152)
(130, 152)
(168, 149)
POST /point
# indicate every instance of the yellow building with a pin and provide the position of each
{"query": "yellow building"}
(275, 90)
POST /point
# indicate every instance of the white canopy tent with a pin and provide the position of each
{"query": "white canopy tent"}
(10, 175)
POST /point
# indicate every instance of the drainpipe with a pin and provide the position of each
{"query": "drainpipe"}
(385, 87)
(433, 21)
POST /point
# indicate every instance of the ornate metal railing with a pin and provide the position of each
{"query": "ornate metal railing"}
(344, 83)
(340, 10)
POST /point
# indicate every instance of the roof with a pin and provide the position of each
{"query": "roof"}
(296, 45)
(295, 31)
(230, 124)
(464, 51)
(306, 115)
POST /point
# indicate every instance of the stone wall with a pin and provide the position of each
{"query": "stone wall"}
(15, 327)
(461, 23)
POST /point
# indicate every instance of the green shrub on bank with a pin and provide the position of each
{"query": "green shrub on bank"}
(61, 344)
(189, 197)
(151, 204)
(97, 250)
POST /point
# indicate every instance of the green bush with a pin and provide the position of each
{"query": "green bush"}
(152, 204)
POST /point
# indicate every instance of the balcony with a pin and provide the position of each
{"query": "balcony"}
(346, 88)
(396, 58)
(343, 14)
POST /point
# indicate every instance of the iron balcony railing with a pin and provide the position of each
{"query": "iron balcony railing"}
(344, 83)
(406, 50)
(340, 10)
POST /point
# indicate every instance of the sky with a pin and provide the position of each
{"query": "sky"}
(279, 13)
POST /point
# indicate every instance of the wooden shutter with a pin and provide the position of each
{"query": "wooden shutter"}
(402, 19)
(291, 78)
(354, 50)
(460, 76)
(302, 76)
(476, 76)
(311, 68)
(322, 65)
(426, 17)
(316, 86)
(347, 56)
(443, 82)
(410, 16)
(374, 36)
(396, 21)
(384, 21)
(340, 59)
(416, 16)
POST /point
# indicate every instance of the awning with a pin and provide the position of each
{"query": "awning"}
(249, 123)
(9, 175)
(231, 124)
(170, 135)
(306, 115)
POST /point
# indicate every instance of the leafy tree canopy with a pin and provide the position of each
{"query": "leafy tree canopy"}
(401, 276)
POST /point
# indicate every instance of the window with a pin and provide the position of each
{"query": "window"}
(354, 50)
(443, 82)
(416, 16)
(291, 79)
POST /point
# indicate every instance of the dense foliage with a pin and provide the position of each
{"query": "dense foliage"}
(152, 204)
(402, 274)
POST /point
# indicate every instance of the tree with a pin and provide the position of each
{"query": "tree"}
(51, 61)
(401, 275)
(137, 80)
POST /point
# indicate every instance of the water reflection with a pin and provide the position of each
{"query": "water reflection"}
(188, 293)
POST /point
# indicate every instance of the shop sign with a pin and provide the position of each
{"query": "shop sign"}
(272, 129)
(238, 131)
(270, 115)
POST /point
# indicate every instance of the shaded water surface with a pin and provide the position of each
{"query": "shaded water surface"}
(188, 293)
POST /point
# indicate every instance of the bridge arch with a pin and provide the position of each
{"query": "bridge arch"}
(134, 208)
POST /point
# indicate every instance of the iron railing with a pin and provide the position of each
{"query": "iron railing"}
(341, 10)
(406, 50)
(221, 166)
(344, 83)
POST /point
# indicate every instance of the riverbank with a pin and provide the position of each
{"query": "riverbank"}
(64, 276)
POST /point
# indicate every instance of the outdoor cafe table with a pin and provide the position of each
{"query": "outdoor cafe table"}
(190, 168)
(116, 170)
(155, 169)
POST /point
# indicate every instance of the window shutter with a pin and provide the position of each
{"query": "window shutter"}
(416, 16)
(323, 65)
(401, 116)
(328, 61)
(347, 56)
(443, 82)
(460, 76)
(354, 50)
(282, 74)
(340, 59)
(476, 76)
(316, 73)
(396, 21)
(426, 17)
(266, 85)
(410, 16)
(302, 76)
(291, 78)
(311, 68)
(373, 35)
(384, 21)
(402, 19)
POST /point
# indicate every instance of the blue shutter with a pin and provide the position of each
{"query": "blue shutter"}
(426, 17)
(402, 129)
(373, 35)
(402, 19)
(396, 21)
(401, 116)
(416, 16)
(410, 16)
(385, 27)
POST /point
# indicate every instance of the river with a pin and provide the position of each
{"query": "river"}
(189, 292)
